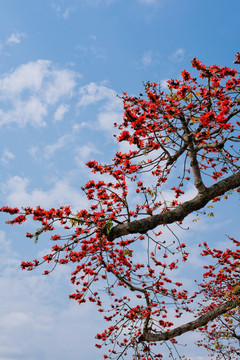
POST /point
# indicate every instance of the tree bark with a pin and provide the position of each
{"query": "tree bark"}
(192, 325)
(178, 214)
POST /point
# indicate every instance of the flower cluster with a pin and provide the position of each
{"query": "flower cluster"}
(186, 135)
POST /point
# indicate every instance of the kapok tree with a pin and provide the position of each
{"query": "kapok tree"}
(186, 135)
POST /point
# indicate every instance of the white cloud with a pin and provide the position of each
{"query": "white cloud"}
(84, 152)
(30, 111)
(178, 55)
(60, 112)
(7, 156)
(62, 84)
(63, 12)
(111, 108)
(67, 12)
(31, 89)
(149, 58)
(148, 2)
(107, 119)
(15, 38)
(59, 144)
(164, 84)
(35, 309)
(26, 77)
(83, 124)
(17, 193)
(93, 93)
(125, 147)
(98, 2)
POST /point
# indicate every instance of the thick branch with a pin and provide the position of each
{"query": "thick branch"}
(178, 214)
(219, 145)
(196, 170)
(188, 139)
(192, 325)
(174, 157)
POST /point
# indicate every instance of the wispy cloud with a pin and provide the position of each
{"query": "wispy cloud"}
(60, 112)
(32, 326)
(164, 84)
(17, 190)
(94, 49)
(147, 58)
(7, 156)
(83, 153)
(93, 93)
(148, 2)
(63, 11)
(31, 111)
(61, 83)
(67, 12)
(33, 150)
(15, 38)
(178, 55)
(153, 3)
(93, 37)
(59, 144)
(98, 2)
(111, 109)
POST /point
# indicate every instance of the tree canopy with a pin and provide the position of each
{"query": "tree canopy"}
(186, 136)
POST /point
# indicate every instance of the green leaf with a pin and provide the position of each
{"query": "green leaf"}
(76, 221)
(37, 233)
(127, 252)
(109, 225)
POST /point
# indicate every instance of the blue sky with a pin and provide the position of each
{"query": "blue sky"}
(62, 64)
